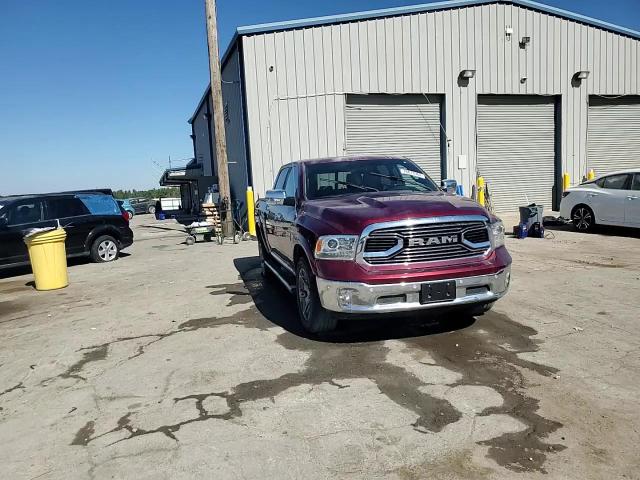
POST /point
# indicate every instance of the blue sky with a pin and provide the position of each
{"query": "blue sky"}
(93, 92)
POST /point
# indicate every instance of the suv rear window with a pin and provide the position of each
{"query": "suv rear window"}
(100, 204)
(64, 207)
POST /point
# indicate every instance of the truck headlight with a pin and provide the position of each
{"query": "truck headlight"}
(336, 247)
(497, 233)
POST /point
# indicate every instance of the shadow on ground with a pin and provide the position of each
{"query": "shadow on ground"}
(278, 306)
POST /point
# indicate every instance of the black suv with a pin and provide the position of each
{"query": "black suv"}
(94, 222)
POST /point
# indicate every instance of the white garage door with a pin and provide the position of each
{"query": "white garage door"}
(403, 125)
(613, 135)
(516, 149)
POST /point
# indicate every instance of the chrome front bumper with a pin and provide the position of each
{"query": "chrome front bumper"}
(352, 297)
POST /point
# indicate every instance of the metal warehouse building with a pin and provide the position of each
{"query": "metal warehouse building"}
(515, 91)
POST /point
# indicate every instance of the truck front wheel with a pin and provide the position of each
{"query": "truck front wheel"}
(313, 316)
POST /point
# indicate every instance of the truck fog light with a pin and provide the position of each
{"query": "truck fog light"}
(345, 297)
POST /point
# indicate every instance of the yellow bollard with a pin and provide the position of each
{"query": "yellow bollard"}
(591, 175)
(566, 182)
(251, 212)
(481, 191)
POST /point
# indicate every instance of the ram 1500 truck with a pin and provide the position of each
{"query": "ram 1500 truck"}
(352, 236)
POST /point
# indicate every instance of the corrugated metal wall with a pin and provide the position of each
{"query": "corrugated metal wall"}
(297, 80)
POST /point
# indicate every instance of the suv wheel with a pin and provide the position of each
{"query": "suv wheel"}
(151, 209)
(583, 218)
(105, 249)
(313, 316)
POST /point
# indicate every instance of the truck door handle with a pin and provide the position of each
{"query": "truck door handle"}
(631, 197)
(592, 195)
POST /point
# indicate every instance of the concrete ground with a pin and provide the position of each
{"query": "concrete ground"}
(178, 362)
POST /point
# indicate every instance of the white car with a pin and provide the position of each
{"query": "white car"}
(612, 199)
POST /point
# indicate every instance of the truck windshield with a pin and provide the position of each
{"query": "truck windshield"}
(344, 177)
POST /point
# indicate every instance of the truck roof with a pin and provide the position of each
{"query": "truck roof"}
(347, 158)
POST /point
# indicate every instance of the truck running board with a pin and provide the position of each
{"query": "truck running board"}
(277, 273)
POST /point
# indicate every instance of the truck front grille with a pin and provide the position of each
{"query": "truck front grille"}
(426, 242)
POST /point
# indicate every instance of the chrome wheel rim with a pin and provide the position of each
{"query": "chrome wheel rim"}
(304, 294)
(582, 218)
(107, 250)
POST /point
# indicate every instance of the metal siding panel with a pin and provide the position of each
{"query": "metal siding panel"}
(609, 57)
(431, 66)
(301, 104)
(544, 59)
(363, 57)
(356, 80)
(557, 57)
(329, 70)
(440, 54)
(493, 49)
(522, 57)
(280, 72)
(372, 49)
(397, 55)
(508, 51)
(614, 134)
(425, 66)
(536, 47)
(346, 57)
(320, 99)
(311, 100)
(453, 117)
(341, 145)
(336, 54)
(529, 53)
(403, 125)
(406, 55)
(273, 118)
(381, 52)
(253, 113)
(498, 33)
(415, 46)
(389, 54)
(292, 90)
(515, 138)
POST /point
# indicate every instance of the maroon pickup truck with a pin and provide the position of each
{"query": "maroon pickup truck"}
(362, 235)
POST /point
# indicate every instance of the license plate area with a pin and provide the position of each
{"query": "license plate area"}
(438, 292)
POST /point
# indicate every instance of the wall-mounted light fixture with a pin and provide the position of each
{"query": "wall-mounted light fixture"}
(508, 31)
(578, 77)
(525, 41)
(467, 73)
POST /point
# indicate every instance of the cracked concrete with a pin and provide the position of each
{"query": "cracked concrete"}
(180, 363)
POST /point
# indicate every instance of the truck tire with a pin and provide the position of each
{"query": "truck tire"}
(314, 318)
(266, 272)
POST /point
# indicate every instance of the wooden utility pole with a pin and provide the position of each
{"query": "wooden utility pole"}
(218, 115)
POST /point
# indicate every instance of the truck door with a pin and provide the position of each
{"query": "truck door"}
(288, 220)
(273, 216)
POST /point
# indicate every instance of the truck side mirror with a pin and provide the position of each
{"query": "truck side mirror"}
(449, 185)
(275, 197)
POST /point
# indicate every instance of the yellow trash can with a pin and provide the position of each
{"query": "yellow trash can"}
(48, 259)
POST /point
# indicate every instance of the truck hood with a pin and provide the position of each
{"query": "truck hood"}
(352, 213)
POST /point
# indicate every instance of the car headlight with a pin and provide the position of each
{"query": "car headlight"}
(336, 247)
(497, 233)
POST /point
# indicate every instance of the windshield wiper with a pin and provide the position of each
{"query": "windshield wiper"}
(390, 177)
(361, 187)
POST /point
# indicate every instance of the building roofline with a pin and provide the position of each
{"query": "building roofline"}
(406, 10)
(427, 7)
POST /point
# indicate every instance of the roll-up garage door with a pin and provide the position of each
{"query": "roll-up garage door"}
(403, 125)
(613, 135)
(516, 149)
